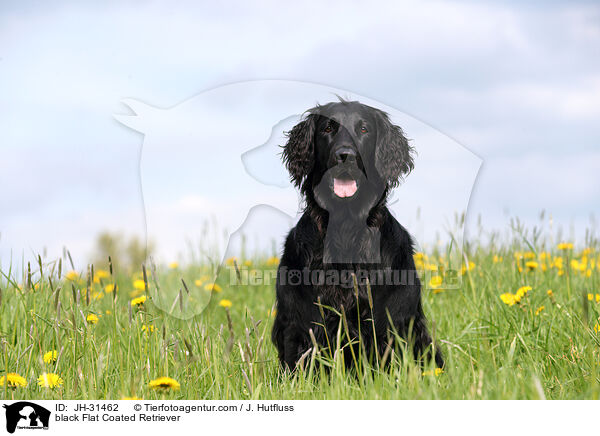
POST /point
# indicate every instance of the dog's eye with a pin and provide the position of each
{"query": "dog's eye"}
(363, 129)
(328, 128)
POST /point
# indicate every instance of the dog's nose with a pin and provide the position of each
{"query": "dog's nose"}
(344, 154)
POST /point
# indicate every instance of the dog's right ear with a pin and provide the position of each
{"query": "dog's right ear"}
(299, 151)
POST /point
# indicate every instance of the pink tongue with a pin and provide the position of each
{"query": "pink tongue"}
(344, 188)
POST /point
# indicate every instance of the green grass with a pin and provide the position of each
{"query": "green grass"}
(492, 350)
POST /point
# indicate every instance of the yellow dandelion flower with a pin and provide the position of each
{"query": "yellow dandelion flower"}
(469, 267)
(435, 282)
(131, 398)
(198, 282)
(539, 310)
(597, 298)
(522, 291)
(434, 372)
(590, 297)
(173, 265)
(101, 274)
(596, 329)
(139, 285)
(225, 303)
(497, 259)
(231, 261)
(108, 312)
(92, 318)
(419, 256)
(531, 265)
(72, 275)
(109, 288)
(49, 380)
(50, 356)
(212, 287)
(272, 261)
(565, 246)
(509, 299)
(549, 292)
(164, 383)
(13, 380)
(148, 328)
(138, 301)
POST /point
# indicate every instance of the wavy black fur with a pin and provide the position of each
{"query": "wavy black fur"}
(352, 141)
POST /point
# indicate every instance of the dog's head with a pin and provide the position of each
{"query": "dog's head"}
(346, 153)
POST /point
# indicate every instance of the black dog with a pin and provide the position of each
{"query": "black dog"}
(345, 157)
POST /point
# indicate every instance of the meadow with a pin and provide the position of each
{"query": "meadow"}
(523, 324)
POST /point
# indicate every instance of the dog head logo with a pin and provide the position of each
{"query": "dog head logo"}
(26, 415)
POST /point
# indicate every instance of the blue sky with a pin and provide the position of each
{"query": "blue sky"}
(518, 85)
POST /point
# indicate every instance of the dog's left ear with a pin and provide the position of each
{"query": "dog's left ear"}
(393, 155)
(298, 152)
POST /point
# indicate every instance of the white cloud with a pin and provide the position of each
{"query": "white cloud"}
(579, 101)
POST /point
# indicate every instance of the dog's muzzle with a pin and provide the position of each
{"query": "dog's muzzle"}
(345, 172)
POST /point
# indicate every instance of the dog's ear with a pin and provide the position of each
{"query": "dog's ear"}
(298, 153)
(393, 154)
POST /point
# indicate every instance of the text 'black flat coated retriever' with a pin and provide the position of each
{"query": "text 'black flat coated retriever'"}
(345, 157)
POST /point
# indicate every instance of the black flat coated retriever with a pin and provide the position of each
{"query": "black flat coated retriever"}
(345, 157)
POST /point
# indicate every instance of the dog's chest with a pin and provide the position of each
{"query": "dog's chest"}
(354, 243)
